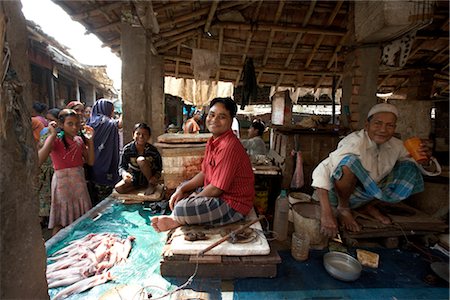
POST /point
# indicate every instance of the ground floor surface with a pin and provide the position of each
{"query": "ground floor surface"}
(402, 274)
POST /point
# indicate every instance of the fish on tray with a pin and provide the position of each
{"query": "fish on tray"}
(86, 262)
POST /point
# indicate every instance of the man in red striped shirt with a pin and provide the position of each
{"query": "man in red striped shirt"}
(226, 177)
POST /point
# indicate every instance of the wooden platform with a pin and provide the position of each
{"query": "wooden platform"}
(406, 221)
(138, 196)
(224, 267)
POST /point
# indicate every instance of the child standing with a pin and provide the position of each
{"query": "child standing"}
(140, 164)
(68, 151)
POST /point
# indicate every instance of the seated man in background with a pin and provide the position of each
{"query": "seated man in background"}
(191, 125)
(141, 164)
(255, 144)
(226, 177)
(368, 166)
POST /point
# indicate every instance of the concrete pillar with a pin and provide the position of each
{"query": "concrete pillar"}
(360, 84)
(142, 83)
(90, 95)
(51, 89)
(22, 251)
(77, 89)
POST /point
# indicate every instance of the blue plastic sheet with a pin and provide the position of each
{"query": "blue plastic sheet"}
(142, 267)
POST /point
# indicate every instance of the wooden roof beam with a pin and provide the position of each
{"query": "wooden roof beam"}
(263, 69)
(338, 48)
(112, 25)
(177, 63)
(383, 81)
(177, 42)
(319, 82)
(244, 56)
(292, 29)
(197, 13)
(442, 51)
(271, 36)
(187, 28)
(219, 50)
(247, 43)
(279, 81)
(299, 36)
(96, 11)
(212, 12)
(186, 34)
(321, 37)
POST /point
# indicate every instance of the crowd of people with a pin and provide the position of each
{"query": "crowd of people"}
(78, 152)
(81, 164)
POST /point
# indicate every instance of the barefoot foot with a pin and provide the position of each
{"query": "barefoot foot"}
(164, 223)
(375, 212)
(346, 219)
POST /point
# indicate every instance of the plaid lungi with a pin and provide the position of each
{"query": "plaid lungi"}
(205, 210)
(404, 180)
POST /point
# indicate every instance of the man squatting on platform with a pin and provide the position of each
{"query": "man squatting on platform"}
(226, 177)
(368, 166)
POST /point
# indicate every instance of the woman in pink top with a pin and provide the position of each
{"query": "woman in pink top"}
(226, 177)
(68, 151)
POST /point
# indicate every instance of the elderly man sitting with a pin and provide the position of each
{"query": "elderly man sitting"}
(368, 166)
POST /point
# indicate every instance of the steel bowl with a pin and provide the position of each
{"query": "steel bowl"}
(342, 266)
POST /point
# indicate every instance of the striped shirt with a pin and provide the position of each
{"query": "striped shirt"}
(227, 166)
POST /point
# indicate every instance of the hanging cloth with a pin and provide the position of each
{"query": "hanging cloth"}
(250, 87)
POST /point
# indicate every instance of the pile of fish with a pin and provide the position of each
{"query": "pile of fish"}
(85, 262)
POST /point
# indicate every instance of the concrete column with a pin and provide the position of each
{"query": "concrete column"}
(51, 89)
(90, 95)
(360, 84)
(142, 83)
(77, 89)
(22, 251)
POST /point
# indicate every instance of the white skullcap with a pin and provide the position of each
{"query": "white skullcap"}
(382, 107)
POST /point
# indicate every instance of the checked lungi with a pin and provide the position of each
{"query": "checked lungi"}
(404, 180)
(205, 210)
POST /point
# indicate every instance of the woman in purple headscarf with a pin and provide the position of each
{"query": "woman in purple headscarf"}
(104, 173)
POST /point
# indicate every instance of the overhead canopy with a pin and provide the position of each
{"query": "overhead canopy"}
(292, 43)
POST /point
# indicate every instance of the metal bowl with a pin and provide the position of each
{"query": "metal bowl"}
(342, 266)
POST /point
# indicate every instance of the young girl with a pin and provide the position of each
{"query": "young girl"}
(68, 151)
(140, 164)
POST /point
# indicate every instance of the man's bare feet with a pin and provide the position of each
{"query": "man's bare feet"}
(375, 212)
(328, 224)
(346, 219)
(164, 223)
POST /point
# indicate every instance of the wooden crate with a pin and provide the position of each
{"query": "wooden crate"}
(224, 267)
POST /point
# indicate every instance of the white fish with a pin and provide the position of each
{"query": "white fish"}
(83, 285)
(65, 281)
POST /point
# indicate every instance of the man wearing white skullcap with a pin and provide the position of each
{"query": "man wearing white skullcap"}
(368, 166)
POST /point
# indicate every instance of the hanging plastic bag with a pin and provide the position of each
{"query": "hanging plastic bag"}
(298, 179)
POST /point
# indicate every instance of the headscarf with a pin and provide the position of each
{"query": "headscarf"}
(72, 104)
(106, 143)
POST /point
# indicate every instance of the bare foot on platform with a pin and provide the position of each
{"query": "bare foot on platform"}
(375, 212)
(164, 223)
(346, 219)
